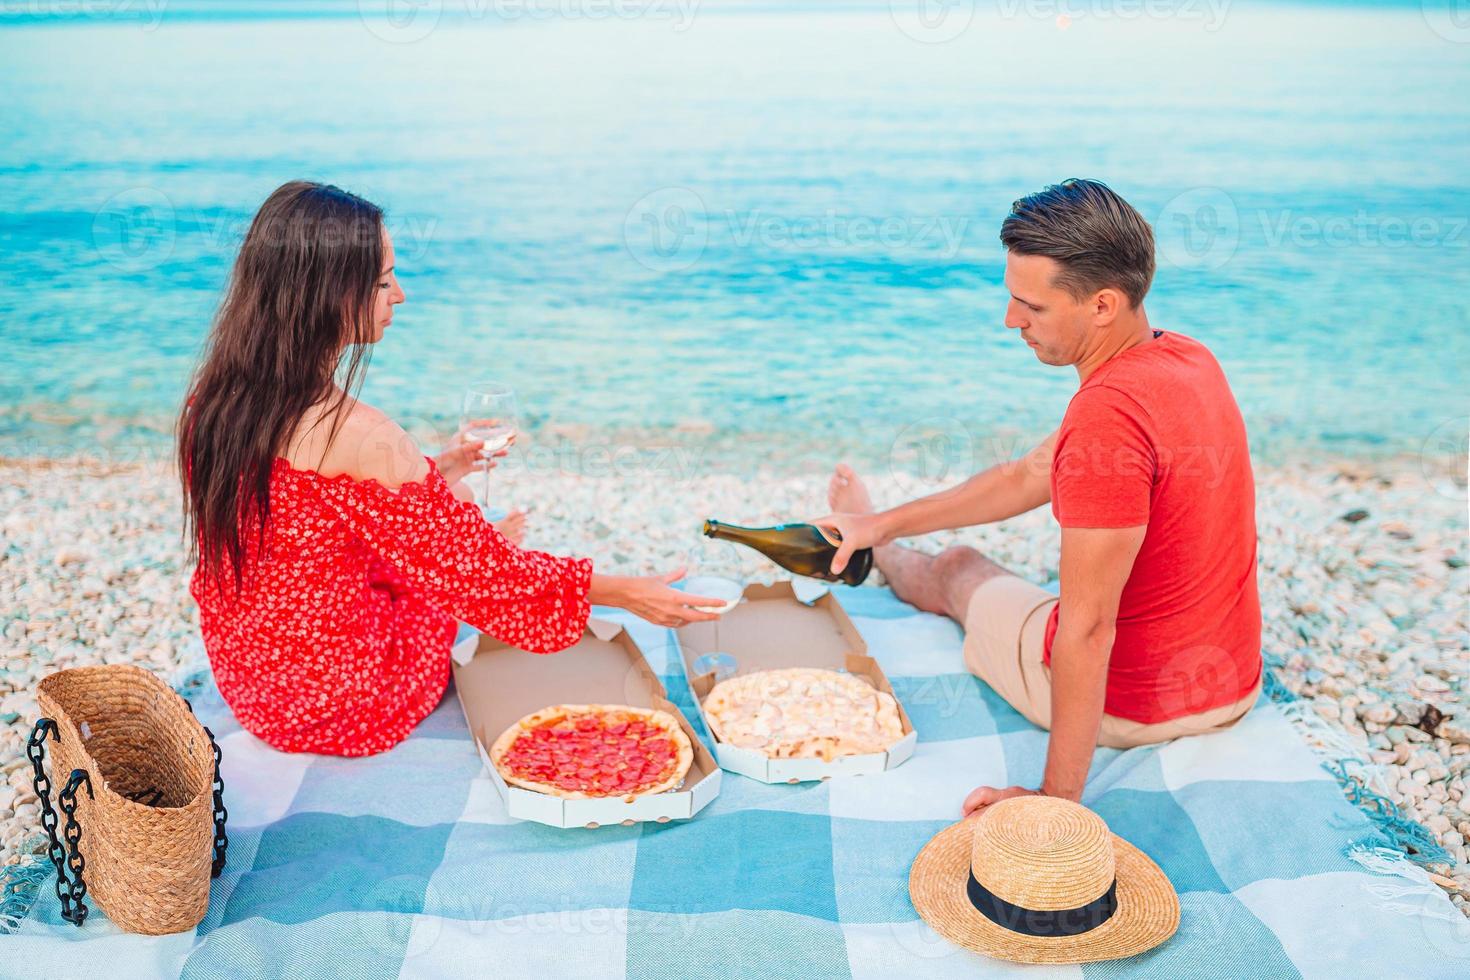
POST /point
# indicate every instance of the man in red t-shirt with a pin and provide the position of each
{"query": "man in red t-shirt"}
(1156, 632)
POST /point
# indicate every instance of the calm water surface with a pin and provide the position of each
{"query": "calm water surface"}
(775, 230)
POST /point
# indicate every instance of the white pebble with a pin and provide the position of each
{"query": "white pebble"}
(1379, 714)
(70, 555)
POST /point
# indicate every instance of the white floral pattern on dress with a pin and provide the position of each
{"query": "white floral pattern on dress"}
(338, 641)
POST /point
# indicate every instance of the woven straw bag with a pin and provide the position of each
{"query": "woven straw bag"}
(140, 790)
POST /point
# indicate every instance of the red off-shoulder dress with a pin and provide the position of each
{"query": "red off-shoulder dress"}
(339, 640)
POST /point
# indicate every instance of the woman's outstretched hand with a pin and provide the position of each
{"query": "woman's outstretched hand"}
(651, 598)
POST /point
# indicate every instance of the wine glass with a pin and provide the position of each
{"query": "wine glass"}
(709, 564)
(488, 413)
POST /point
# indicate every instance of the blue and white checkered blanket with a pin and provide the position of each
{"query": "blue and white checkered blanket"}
(405, 864)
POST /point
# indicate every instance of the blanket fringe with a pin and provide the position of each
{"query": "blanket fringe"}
(19, 885)
(1362, 782)
(1422, 898)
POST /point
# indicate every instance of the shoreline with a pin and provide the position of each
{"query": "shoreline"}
(1367, 616)
(939, 444)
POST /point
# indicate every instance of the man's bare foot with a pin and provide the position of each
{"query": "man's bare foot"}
(513, 526)
(846, 493)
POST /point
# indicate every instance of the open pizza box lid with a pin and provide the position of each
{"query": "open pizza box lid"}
(789, 624)
(499, 684)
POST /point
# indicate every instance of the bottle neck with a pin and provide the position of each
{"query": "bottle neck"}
(730, 532)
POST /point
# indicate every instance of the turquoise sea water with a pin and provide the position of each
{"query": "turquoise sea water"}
(768, 227)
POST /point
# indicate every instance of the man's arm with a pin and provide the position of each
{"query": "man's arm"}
(995, 494)
(1003, 491)
(1096, 563)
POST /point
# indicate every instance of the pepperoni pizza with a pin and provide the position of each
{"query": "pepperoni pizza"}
(577, 751)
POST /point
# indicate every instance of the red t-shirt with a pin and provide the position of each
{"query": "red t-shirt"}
(1154, 437)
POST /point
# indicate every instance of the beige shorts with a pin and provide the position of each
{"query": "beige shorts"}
(1005, 632)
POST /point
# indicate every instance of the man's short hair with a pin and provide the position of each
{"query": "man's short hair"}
(1098, 238)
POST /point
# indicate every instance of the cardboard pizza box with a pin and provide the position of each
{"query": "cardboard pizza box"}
(789, 624)
(499, 684)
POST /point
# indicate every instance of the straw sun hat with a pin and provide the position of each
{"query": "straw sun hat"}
(1035, 879)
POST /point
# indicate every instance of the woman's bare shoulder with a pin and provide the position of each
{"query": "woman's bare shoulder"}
(359, 441)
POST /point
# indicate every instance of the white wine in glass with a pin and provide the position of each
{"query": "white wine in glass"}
(489, 413)
(496, 435)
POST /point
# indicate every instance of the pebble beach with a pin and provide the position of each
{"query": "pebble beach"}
(1363, 572)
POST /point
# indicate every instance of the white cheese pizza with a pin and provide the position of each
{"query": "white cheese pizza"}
(803, 712)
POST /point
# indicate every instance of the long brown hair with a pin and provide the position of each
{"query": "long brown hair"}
(300, 294)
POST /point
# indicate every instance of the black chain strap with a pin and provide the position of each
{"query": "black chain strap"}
(36, 752)
(221, 840)
(67, 800)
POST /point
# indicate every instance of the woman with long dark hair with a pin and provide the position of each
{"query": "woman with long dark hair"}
(332, 558)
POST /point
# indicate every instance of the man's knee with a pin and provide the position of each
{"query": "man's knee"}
(957, 562)
(961, 569)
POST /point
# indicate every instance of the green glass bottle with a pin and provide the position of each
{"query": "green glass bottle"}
(804, 549)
